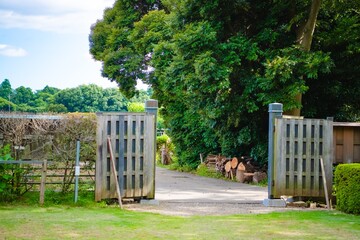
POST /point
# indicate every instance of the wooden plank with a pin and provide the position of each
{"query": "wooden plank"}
(113, 174)
(348, 145)
(100, 184)
(279, 157)
(121, 153)
(308, 157)
(43, 182)
(325, 184)
(338, 144)
(291, 190)
(316, 157)
(328, 153)
(137, 190)
(106, 173)
(299, 156)
(129, 155)
(149, 159)
(23, 162)
(113, 167)
(97, 163)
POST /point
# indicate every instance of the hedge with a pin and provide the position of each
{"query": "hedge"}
(347, 182)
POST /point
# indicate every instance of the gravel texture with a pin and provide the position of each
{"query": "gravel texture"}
(205, 209)
(184, 194)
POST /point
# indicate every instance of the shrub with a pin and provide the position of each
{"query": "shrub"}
(11, 177)
(164, 142)
(347, 180)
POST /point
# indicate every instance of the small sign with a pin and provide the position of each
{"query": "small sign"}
(77, 170)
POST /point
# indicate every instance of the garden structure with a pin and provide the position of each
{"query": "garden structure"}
(132, 137)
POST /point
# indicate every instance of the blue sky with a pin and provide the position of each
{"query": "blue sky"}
(45, 42)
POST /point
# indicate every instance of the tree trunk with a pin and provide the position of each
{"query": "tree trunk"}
(304, 39)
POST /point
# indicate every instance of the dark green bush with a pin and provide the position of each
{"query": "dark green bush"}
(347, 180)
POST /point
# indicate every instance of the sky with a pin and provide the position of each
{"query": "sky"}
(45, 42)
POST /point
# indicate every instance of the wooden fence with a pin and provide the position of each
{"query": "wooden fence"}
(133, 141)
(298, 146)
(346, 142)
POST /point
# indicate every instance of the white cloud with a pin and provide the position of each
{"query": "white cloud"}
(11, 51)
(55, 15)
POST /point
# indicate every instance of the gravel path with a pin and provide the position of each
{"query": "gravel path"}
(184, 194)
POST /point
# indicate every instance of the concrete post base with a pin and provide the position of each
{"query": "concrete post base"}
(149, 202)
(274, 203)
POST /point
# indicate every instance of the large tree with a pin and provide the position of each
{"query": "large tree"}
(109, 43)
(216, 65)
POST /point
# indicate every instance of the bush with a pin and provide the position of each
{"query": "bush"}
(11, 177)
(164, 142)
(347, 181)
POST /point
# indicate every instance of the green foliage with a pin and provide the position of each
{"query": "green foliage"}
(6, 90)
(164, 142)
(347, 179)
(136, 107)
(110, 42)
(216, 65)
(203, 170)
(84, 98)
(12, 177)
(5, 105)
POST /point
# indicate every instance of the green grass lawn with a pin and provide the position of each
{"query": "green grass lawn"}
(68, 222)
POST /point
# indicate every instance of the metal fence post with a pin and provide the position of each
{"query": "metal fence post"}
(77, 170)
(275, 110)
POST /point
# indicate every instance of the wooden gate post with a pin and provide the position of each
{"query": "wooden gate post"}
(275, 110)
(43, 182)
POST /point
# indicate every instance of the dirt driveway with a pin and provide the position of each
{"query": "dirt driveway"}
(187, 194)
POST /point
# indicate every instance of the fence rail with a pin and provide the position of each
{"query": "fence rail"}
(34, 178)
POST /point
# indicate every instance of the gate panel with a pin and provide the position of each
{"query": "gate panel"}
(132, 138)
(298, 146)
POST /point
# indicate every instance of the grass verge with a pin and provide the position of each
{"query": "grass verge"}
(65, 222)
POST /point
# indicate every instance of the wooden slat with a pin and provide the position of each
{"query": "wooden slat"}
(129, 156)
(121, 153)
(106, 174)
(299, 157)
(137, 173)
(328, 154)
(348, 145)
(291, 140)
(99, 157)
(316, 158)
(279, 147)
(308, 158)
(149, 163)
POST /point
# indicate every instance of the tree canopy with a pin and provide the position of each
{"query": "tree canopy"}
(84, 98)
(214, 66)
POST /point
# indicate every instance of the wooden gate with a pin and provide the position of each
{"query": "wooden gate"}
(298, 146)
(133, 142)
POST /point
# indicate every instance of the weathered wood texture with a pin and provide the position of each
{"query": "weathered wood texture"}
(132, 137)
(298, 146)
(346, 142)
